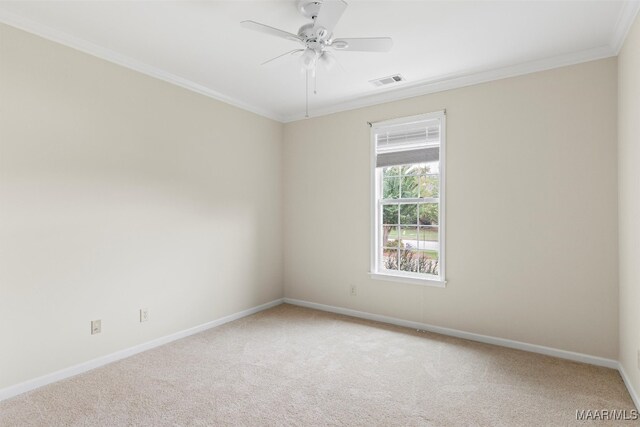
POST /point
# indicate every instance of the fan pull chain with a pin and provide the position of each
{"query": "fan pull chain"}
(315, 82)
(306, 114)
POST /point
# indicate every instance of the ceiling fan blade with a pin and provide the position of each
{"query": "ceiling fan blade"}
(256, 26)
(328, 17)
(280, 56)
(368, 44)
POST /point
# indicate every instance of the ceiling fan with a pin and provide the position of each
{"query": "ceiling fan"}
(316, 37)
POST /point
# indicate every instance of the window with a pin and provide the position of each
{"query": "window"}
(408, 203)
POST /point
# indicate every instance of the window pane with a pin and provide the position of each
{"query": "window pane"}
(390, 259)
(419, 169)
(409, 261)
(429, 262)
(409, 237)
(409, 214)
(405, 169)
(422, 169)
(391, 171)
(428, 214)
(390, 236)
(429, 234)
(410, 186)
(390, 214)
(429, 186)
(414, 169)
(391, 187)
(432, 167)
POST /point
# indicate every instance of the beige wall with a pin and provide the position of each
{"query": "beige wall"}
(119, 191)
(531, 211)
(629, 202)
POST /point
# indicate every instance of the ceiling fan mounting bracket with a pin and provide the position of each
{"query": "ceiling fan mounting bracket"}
(309, 8)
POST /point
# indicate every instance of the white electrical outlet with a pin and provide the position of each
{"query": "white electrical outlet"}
(144, 315)
(96, 327)
(354, 290)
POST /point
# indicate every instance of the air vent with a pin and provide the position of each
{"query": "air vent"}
(384, 81)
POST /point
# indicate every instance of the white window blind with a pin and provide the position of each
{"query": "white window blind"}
(407, 143)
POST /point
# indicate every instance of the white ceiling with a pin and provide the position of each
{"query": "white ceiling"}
(437, 44)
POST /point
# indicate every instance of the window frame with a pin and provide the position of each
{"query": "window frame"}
(399, 276)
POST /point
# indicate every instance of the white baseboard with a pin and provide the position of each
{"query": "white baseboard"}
(17, 389)
(71, 371)
(563, 354)
(627, 382)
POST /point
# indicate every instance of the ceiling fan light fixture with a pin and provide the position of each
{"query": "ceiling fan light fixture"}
(309, 58)
(328, 60)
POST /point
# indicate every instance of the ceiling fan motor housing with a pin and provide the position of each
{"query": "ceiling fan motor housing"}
(306, 32)
(312, 39)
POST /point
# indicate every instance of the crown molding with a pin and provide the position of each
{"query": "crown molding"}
(626, 18)
(90, 48)
(459, 80)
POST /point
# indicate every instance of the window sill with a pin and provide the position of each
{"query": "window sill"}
(434, 282)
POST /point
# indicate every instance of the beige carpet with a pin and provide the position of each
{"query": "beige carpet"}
(295, 366)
